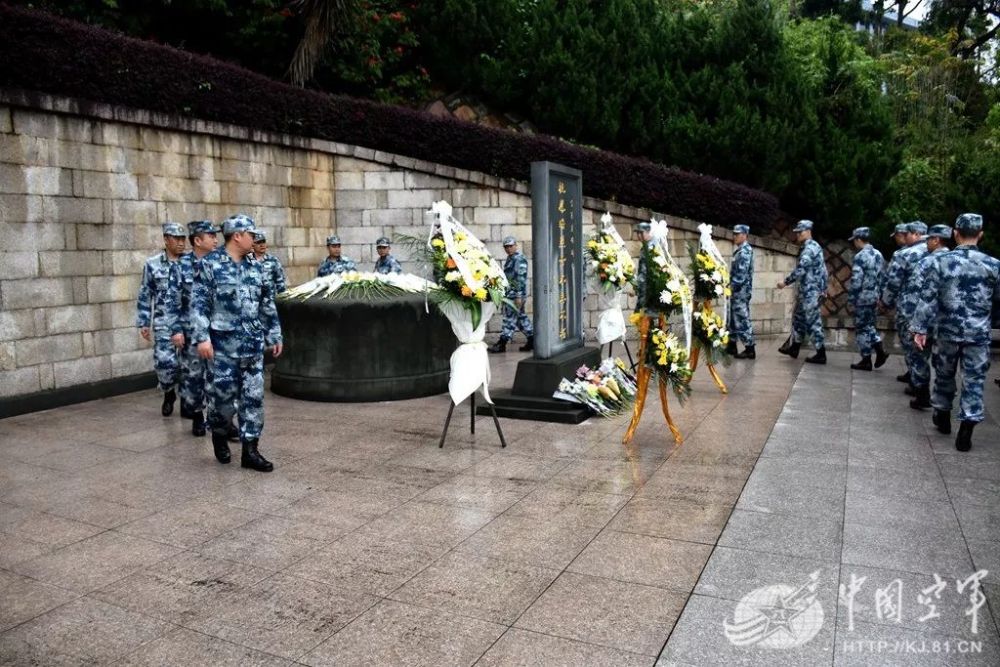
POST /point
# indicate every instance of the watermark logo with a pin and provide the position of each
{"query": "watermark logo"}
(779, 616)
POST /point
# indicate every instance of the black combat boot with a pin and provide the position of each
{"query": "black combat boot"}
(785, 346)
(233, 433)
(922, 399)
(963, 441)
(731, 348)
(880, 355)
(252, 458)
(220, 443)
(498, 347)
(942, 420)
(905, 377)
(167, 408)
(198, 424)
(187, 412)
(864, 365)
(792, 350)
(749, 352)
(818, 358)
(529, 345)
(910, 390)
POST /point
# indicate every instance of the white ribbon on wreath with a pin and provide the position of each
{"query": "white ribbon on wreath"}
(470, 362)
(707, 243)
(610, 321)
(658, 235)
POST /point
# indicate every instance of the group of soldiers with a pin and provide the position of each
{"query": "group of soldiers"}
(210, 314)
(946, 302)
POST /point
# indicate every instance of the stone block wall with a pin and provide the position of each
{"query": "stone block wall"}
(84, 189)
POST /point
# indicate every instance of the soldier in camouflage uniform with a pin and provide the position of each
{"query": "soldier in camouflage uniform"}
(958, 295)
(386, 263)
(155, 318)
(920, 369)
(335, 263)
(273, 270)
(810, 273)
(515, 267)
(234, 317)
(896, 293)
(194, 369)
(862, 295)
(741, 280)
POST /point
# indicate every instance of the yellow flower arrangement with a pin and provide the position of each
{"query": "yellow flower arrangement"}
(609, 262)
(711, 278)
(710, 333)
(668, 358)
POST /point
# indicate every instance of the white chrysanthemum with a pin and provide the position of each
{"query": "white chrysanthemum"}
(660, 261)
(719, 290)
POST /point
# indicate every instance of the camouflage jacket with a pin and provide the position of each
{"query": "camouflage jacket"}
(157, 291)
(331, 266)
(275, 272)
(232, 305)
(388, 264)
(810, 272)
(515, 267)
(959, 294)
(187, 270)
(741, 272)
(866, 277)
(898, 274)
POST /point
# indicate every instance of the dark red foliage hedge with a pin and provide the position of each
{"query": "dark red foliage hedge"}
(39, 52)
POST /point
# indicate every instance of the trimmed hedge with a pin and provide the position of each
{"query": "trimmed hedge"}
(44, 53)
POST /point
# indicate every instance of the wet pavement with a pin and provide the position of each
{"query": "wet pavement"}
(123, 541)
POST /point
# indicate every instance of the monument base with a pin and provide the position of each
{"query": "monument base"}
(534, 384)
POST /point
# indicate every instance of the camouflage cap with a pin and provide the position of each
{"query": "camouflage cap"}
(201, 227)
(333, 239)
(940, 231)
(803, 226)
(238, 223)
(259, 236)
(173, 229)
(382, 242)
(863, 233)
(509, 240)
(969, 222)
(899, 229)
(741, 229)
(916, 227)
(642, 227)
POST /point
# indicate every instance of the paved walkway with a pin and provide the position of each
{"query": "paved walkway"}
(122, 541)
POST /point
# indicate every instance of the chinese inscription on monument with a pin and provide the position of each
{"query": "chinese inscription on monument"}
(557, 203)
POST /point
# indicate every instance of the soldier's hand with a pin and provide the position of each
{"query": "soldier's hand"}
(518, 302)
(144, 332)
(177, 340)
(277, 349)
(781, 284)
(920, 340)
(205, 350)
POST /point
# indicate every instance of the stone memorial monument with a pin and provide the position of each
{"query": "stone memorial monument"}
(557, 297)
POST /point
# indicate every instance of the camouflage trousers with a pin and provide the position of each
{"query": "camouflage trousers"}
(740, 325)
(920, 365)
(975, 361)
(237, 388)
(514, 320)
(194, 378)
(906, 340)
(806, 320)
(865, 334)
(166, 362)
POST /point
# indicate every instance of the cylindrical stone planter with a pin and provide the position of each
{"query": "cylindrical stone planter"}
(357, 350)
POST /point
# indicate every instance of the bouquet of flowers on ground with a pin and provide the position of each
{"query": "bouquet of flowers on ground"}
(463, 267)
(360, 285)
(610, 262)
(710, 334)
(668, 357)
(607, 390)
